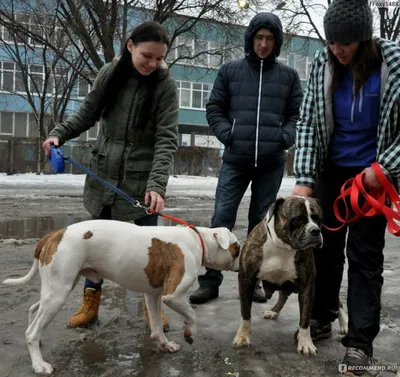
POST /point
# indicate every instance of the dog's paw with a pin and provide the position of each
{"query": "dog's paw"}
(42, 368)
(242, 340)
(305, 344)
(188, 333)
(269, 314)
(170, 347)
(307, 348)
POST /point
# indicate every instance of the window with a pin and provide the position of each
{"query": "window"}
(234, 53)
(12, 79)
(172, 53)
(83, 87)
(300, 65)
(33, 127)
(216, 51)
(7, 123)
(93, 132)
(59, 80)
(193, 95)
(185, 49)
(21, 124)
(36, 78)
(7, 82)
(202, 53)
(283, 57)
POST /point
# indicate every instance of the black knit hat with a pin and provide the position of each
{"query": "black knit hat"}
(348, 21)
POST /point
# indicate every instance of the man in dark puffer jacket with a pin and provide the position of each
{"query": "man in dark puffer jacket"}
(253, 110)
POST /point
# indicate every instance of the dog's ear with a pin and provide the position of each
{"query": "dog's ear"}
(222, 237)
(273, 209)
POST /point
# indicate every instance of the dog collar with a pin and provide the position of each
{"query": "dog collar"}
(191, 226)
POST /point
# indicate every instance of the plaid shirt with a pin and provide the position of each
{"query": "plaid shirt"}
(315, 126)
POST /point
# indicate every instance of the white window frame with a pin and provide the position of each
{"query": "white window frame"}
(203, 91)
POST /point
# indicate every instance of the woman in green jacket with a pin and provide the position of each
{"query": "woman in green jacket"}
(135, 101)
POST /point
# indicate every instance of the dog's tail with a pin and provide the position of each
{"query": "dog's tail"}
(28, 277)
(35, 267)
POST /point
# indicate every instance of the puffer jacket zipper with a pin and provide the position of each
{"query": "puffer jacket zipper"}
(258, 112)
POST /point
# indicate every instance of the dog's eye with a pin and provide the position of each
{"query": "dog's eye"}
(298, 221)
(315, 218)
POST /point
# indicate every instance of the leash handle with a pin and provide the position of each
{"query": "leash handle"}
(375, 203)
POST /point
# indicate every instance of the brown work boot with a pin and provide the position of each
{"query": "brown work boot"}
(164, 318)
(88, 311)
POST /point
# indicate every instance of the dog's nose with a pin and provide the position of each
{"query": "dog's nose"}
(316, 232)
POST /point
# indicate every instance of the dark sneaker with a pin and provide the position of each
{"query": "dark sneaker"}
(355, 362)
(259, 295)
(318, 330)
(203, 294)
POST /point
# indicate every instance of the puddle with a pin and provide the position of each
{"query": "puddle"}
(36, 227)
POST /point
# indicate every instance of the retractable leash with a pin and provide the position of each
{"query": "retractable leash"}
(375, 203)
(57, 162)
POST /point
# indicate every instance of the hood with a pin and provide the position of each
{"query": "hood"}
(264, 20)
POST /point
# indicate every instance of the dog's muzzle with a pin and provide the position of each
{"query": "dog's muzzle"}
(311, 237)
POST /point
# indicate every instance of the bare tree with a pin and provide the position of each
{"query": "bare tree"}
(304, 17)
(389, 24)
(98, 29)
(36, 73)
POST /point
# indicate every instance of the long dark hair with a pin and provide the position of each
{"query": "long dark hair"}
(146, 32)
(367, 59)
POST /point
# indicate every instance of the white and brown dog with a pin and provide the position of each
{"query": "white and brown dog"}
(160, 261)
(279, 251)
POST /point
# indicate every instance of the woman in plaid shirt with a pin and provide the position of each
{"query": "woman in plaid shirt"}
(350, 118)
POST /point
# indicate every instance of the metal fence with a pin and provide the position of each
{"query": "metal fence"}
(21, 155)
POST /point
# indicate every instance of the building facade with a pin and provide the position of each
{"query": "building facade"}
(194, 77)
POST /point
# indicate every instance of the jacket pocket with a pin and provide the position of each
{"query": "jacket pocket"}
(135, 183)
(281, 136)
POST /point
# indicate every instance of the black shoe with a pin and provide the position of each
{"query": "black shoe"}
(203, 294)
(259, 295)
(355, 362)
(318, 330)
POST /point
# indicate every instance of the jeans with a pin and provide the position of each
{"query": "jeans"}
(149, 220)
(232, 184)
(365, 243)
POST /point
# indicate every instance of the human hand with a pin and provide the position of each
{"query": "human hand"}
(156, 201)
(48, 143)
(301, 190)
(370, 180)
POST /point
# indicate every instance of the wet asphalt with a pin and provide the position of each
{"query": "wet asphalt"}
(120, 344)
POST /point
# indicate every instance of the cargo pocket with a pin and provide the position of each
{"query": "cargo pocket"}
(97, 165)
(135, 183)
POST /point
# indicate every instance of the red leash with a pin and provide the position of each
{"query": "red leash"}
(182, 222)
(375, 203)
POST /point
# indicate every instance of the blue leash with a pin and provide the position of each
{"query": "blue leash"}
(57, 163)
